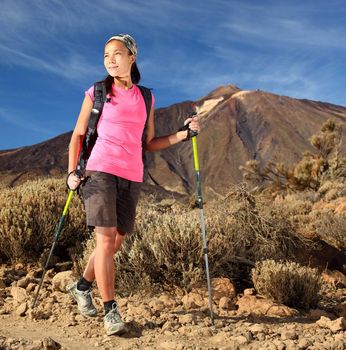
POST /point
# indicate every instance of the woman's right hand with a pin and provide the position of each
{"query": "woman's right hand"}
(73, 181)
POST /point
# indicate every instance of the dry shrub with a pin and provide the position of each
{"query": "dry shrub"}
(167, 245)
(260, 231)
(288, 283)
(29, 215)
(296, 208)
(327, 162)
(331, 190)
(331, 228)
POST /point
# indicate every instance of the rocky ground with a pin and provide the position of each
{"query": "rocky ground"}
(166, 320)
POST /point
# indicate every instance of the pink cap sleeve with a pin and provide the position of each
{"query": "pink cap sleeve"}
(90, 93)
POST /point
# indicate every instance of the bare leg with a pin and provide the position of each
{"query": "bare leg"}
(89, 272)
(107, 239)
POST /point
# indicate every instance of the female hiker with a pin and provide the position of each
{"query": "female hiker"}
(114, 172)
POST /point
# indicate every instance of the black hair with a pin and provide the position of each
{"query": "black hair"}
(135, 77)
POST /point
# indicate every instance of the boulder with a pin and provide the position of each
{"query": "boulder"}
(263, 307)
(61, 280)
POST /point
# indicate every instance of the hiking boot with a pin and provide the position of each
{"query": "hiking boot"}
(113, 323)
(83, 299)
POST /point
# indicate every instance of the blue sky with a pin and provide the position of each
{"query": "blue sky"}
(51, 51)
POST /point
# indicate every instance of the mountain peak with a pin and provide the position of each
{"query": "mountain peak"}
(225, 91)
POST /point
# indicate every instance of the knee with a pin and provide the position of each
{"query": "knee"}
(105, 242)
(105, 246)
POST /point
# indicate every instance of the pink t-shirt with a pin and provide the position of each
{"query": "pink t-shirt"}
(118, 148)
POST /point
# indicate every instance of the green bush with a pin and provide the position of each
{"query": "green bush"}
(287, 282)
(29, 216)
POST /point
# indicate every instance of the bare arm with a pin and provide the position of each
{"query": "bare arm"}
(158, 143)
(78, 135)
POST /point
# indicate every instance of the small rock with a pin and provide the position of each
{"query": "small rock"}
(142, 310)
(289, 345)
(289, 335)
(168, 300)
(339, 336)
(52, 319)
(21, 309)
(249, 291)
(335, 326)
(19, 294)
(30, 287)
(303, 343)
(61, 280)
(226, 303)
(248, 336)
(169, 325)
(258, 328)
(218, 339)
(23, 282)
(183, 330)
(50, 344)
(193, 300)
(187, 319)
(223, 287)
(79, 318)
(168, 333)
(157, 305)
(169, 345)
(240, 339)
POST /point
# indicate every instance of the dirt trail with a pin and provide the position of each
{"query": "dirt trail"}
(166, 321)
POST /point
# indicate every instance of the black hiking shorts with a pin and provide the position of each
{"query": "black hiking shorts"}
(110, 201)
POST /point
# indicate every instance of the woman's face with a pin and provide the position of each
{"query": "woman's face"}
(117, 59)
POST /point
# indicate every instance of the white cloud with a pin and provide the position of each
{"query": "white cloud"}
(13, 118)
(72, 66)
(194, 47)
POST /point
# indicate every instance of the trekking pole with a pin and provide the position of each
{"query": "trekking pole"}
(200, 205)
(58, 230)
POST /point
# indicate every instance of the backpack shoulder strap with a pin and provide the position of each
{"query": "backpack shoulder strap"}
(91, 132)
(148, 98)
(99, 100)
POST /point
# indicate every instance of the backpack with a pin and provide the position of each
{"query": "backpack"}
(91, 132)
